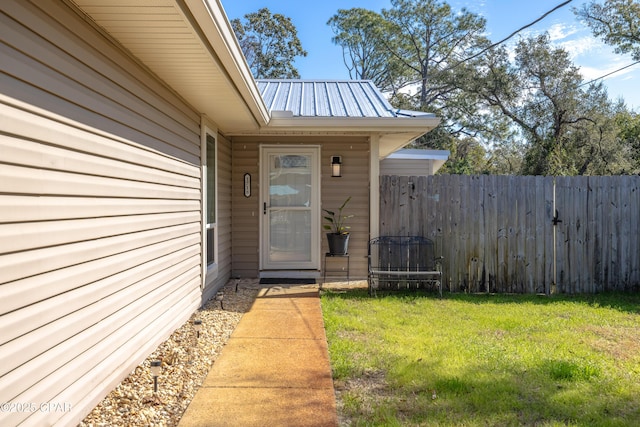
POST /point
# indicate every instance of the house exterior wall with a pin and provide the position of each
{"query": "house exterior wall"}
(100, 212)
(354, 182)
(406, 167)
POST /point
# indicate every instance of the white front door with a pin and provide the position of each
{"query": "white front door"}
(290, 199)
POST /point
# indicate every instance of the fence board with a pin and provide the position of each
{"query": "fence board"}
(614, 232)
(529, 278)
(549, 234)
(497, 235)
(518, 232)
(502, 275)
(476, 234)
(490, 199)
(625, 230)
(540, 238)
(594, 227)
(605, 220)
(634, 247)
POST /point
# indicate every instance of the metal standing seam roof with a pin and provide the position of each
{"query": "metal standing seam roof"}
(322, 98)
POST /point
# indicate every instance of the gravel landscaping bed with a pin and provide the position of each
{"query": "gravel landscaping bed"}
(186, 361)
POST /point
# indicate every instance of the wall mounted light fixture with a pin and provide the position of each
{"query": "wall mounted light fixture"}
(336, 166)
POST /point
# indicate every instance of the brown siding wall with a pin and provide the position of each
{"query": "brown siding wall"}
(354, 182)
(246, 211)
(100, 225)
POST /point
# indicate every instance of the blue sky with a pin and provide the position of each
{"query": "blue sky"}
(324, 60)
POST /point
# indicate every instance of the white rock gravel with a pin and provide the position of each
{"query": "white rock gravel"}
(186, 361)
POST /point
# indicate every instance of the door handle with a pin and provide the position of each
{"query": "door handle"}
(264, 208)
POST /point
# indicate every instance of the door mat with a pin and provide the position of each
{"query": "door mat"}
(286, 281)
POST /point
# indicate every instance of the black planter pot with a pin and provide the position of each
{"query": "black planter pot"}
(338, 243)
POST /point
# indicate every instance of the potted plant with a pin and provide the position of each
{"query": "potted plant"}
(337, 236)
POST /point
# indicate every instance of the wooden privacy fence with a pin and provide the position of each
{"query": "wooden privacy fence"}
(522, 234)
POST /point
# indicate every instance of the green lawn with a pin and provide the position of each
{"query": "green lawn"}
(480, 360)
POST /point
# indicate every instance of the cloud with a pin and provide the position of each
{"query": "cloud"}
(596, 59)
(556, 32)
(561, 31)
(581, 46)
(473, 5)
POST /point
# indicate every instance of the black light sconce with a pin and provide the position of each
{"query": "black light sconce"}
(336, 166)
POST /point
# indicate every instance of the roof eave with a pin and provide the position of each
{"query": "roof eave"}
(421, 154)
(394, 132)
(373, 124)
(217, 27)
(198, 56)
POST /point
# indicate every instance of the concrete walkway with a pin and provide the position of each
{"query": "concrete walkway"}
(274, 371)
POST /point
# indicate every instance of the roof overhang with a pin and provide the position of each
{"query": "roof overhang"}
(393, 132)
(437, 157)
(189, 44)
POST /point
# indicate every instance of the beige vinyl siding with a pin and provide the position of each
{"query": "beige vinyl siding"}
(245, 210)
(100, 213)
(354, 182)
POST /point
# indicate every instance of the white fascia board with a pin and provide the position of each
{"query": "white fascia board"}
(213, 21)
(378, 124)
(419, 154)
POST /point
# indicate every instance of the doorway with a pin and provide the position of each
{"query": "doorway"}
(290, 199)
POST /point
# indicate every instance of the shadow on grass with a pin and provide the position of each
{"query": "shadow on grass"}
(621, 301)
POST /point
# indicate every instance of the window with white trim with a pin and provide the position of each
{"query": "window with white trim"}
(211, 214)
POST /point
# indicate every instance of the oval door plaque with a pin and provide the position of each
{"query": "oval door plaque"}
(247, 185)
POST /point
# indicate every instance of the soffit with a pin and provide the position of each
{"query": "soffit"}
(190, 46)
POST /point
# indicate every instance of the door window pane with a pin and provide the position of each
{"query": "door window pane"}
(290, 181)
(290, 232)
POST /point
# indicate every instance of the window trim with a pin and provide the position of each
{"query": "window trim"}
(209, 271)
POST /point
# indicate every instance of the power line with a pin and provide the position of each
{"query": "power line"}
(580, 85)
(597, 78)
(609, 73)
(594, 80)
(501, 41)
(535, 22)
(517, 31)
(524, 28)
